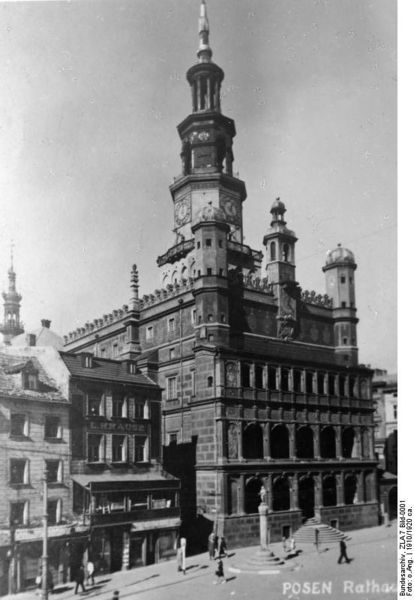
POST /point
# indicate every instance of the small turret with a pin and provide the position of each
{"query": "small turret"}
(11, 322)
(340, 286)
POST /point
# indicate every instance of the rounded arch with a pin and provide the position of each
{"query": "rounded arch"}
(348, 439)
(286, 253)
(392, 503)
(253, 441)
(365, 443)
(350, 489)
(328, 442)
(251, 495)
(329, 497)
(304, 442)
(281, 494)
(279, 442)
(306, 496)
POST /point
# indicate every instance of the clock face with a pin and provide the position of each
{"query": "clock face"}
(203, 136)
(230, 208)
(182, 211)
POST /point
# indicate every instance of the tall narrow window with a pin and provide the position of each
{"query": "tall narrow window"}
(19, 513)
(140, 449)
(119, 448)
(272, 251)
(54, 471)
(171, 388)
(19, 425)
(95, 448)
(53, 428)
(19, 471)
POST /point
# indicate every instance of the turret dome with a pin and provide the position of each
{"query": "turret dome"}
(210, 213)
(340, 255)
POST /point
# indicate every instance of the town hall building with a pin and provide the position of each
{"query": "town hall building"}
(261, 380)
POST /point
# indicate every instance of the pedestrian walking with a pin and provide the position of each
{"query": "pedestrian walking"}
(343, 554)
(79, 579)
(211, 544)
(90, 571)
(292, 545)
(220, 572)
(180, 560)
(222, 547)
(284, 544)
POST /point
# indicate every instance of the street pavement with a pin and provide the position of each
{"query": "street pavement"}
(371, 575)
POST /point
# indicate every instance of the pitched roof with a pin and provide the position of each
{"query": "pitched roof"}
(104, 369)
(44, 337)
(11, 381)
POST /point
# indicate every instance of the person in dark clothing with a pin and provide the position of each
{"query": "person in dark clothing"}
(343, 554)
(80, 578)
(211, 546)
(220, 572)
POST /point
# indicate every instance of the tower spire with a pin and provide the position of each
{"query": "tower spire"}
(204, 51)
(11, 323)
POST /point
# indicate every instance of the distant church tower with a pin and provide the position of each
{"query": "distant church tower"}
(11, 321)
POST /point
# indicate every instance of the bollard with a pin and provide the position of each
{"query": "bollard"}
(115, 595)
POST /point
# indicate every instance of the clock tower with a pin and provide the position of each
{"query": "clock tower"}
(206, 155)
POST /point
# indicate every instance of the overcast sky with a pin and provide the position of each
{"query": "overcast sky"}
(91, 96)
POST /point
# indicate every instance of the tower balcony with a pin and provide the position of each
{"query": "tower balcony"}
(176, 252)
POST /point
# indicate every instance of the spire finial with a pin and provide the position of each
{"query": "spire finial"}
(11, 254)
(204, 51)
(134, 304)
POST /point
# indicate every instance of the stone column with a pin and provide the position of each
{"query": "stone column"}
(242, 481)
(126, 542)
(208, 101)
(318, 490)
(357, 450)
(266, 441)
(338, 441)
(290, 379)
(278, 378)
(292, 440)
(263, 510)
(325, 384)
(360, 487)
(336, 385)
(340, 482)
(371, 442)
(315, 382)
(303, 381)
(240, 439)
(293, 490)
(346, 386)
(221, 441)
(270, 491)
(316, 441)
(198, 88)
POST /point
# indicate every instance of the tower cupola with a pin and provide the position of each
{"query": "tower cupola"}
(11, 321)
(339, 271)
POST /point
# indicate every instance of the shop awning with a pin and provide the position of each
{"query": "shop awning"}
(117, 482)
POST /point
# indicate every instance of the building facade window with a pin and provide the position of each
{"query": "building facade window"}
(150, 332)
(19, 425)
(140, 448)
(171, 325)
(95, 447)
(94, 406)
(173, 437)
(19, 513)
(119, 448)
(53, 428)
(140, 409)
(19, 471)
(31, 381)
(54, 511)
(394, 411)
(172, 353)
(119, 407)
(171, 388)
(193, 388)
(54, 471)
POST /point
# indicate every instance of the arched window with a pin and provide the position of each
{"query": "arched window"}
(327, 440)
(174, 277)
(329, 490)
(306, 496)
(281, 494)
(304, 442)
(272, 251)
(251, 495)
(348, 437)
(209, 381)
(350, 489)
(279, 442)
(285, 253)
(253, 441)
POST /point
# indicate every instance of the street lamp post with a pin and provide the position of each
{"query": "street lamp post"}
(45, 591)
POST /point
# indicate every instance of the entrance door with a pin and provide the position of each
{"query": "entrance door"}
(137, 551)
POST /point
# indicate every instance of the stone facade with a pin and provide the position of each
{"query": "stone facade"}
(130, 504)
(261, 381)
(34, 415)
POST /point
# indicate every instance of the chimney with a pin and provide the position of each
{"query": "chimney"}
(31, 339)
(45, 323)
